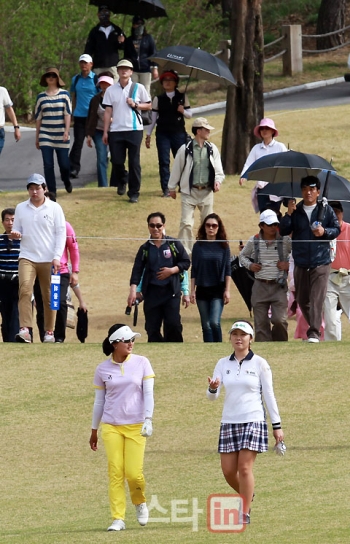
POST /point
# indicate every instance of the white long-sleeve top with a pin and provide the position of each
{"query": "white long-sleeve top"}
(261, 150)
(43, 231)
(246, 383)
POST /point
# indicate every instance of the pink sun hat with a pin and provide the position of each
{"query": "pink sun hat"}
(266, 122)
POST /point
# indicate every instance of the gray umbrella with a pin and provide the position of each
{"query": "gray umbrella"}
(196, 63)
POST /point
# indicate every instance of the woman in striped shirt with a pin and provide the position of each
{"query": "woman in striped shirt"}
(53, 115)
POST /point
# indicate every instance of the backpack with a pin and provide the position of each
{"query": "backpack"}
(173, 250)
(189, 151)
(76, 79)
(144, 117)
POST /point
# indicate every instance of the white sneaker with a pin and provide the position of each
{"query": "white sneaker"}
(313, 340)
(49, 337)
(142, 513)
(117, 525)
(23, 335)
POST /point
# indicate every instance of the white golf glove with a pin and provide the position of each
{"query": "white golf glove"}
(280, 448)
(147, 428)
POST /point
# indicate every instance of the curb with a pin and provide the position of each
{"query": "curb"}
(273, 94)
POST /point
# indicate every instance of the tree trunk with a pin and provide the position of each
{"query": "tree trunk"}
(245, 102)
(331, 16)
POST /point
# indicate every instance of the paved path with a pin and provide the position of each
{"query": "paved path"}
(19, 160)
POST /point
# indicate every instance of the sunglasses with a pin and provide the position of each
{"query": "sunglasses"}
(51, 74)
(127, 341)
(272, 225)
(212, 225)
(155, 225)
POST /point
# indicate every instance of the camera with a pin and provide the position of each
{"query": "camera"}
(129, 308)
(282, 281)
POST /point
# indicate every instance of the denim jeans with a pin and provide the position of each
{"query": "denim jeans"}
(2, 138)
(102, 158)
(49, 165)
(166, 143)
(210, 312)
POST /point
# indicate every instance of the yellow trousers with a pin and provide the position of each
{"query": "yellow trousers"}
(125, 449)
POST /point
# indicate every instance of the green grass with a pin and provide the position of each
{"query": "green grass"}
(54, 488)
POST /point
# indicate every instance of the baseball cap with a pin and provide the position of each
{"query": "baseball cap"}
(242, 326)
(85, 57)
(268, 217)
(37, 179)
(125, 62)
(123, 334)
(201, 122)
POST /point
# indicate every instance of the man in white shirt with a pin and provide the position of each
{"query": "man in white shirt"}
(6, 105)
(123, 128)
(41, 226)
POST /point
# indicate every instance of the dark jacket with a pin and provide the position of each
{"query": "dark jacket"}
(310, 254)
(141, 265)
(169, 119)
(91, 120)
(104, 51)
(139, 59)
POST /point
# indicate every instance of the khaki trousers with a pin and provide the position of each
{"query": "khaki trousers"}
(264, 296)
(27, 272)
(201, 199)
(112, 69)
(144, 79)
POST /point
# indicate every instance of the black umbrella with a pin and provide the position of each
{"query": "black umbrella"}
(145, 8)
(243, 280)
(196, 63)
(82, 325)
(288, 166)
(337, 188)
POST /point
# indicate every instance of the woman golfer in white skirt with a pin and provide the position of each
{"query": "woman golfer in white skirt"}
(243, 431)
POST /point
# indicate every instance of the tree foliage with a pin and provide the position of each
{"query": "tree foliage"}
(36, 34)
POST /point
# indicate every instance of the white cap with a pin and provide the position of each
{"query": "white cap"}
(85, 58)
(269, 217)
(242, 326)
(36, 179)
(123, 334)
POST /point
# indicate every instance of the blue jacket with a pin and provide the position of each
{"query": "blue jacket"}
(306, 252)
